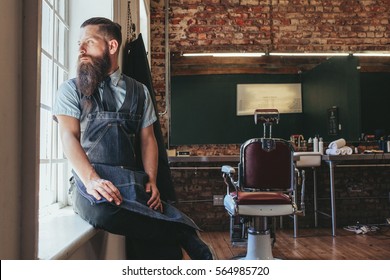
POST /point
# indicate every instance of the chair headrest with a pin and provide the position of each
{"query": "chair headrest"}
(268, 116)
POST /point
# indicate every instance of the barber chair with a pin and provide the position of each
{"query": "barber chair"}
(265, 188)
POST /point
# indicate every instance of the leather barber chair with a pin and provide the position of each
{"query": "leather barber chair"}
(265, 187)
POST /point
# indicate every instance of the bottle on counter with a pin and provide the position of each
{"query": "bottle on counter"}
(310, 145)
(304, 146)
(382, 145)
(321, 146)
(388, 144)
(315, 144)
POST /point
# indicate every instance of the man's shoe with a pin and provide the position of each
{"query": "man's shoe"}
(195, 247)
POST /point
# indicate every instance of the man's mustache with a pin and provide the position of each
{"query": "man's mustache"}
(84, 56)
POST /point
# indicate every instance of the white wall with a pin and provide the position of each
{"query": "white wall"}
(10, 120)
(81, 10)
(103, 246)
(19, 126)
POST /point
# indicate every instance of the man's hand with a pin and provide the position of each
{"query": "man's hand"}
(101, 187)
(70, 137)
(155, 201)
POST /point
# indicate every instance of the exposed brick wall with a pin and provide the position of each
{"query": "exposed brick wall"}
(266, 25)
(195, 189)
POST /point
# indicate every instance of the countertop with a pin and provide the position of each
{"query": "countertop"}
(353, 157)
(231, 158)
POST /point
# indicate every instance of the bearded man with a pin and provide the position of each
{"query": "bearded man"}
(103, 117)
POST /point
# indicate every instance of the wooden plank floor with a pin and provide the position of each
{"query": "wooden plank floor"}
(313, 244)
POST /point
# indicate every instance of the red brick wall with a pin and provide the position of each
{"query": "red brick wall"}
(265, 25)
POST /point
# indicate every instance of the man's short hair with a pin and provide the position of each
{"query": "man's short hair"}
(110, 29)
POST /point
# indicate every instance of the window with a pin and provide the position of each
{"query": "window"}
(53, 167)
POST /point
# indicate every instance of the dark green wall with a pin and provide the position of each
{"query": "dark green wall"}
(203, 110)
(333, 83)
(203, 107)
(375, 92)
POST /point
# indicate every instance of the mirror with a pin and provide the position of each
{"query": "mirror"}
(204, 89)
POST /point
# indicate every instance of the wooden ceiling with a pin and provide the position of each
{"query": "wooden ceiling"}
(206, 65)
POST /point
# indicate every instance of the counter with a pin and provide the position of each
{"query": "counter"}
(205, 159)
(356, 157)
(354, 160)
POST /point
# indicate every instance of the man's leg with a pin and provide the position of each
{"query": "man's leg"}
(193, 244)
(139, 249)
(143, 229)
(121, 221)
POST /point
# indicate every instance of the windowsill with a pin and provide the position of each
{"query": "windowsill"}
(61, 234)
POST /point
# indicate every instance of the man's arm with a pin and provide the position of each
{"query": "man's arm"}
(70, 137)
(149, 150)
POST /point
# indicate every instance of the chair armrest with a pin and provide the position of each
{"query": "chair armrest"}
(227, 172)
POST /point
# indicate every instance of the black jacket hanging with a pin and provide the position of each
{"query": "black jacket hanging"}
(135, 64)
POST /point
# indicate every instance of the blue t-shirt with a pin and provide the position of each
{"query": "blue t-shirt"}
(68, 102)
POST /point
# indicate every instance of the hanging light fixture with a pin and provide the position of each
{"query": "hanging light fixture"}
(226, 54)
(309, 54)
(372, 54)
(259, 54)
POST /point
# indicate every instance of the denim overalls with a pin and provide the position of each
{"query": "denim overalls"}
(109, 140)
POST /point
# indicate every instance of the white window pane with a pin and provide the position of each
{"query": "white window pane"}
(62, 181)
(53, 166)
(47, 194)
(59, 152)
(47, 28)
(61, 8)
(46, 81)
(61, 42)
(61, 76)
(45, 134)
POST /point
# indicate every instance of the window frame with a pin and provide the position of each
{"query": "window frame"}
(53, 166)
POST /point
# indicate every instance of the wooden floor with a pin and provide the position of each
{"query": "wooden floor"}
(313, 244)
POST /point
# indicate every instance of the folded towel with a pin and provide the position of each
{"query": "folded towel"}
(337, 144)
(334, 152)
(342, 151)
(346, 150)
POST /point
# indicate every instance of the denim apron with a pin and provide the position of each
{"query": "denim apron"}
(109, 140)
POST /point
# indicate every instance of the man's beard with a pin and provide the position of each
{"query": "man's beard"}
(91, 74)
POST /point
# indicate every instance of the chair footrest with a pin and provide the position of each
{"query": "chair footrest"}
(257, 209)
(265, 210)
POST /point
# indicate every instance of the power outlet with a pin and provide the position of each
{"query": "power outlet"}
(218, 200)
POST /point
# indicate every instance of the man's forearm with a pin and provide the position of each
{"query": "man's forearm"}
(78, 159)
(150, 157)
